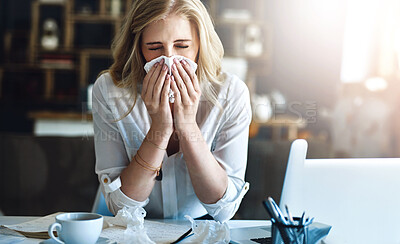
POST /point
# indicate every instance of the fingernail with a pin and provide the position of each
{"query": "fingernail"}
(155, 65)
(162, 61)
(174, 67)
(184, 62)
(165, 67)
(176, 61)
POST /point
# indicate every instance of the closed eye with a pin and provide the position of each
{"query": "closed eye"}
(156, 48)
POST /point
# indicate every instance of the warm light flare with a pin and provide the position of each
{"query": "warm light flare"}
(375, 84)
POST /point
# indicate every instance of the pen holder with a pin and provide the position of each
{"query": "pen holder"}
(289, 234)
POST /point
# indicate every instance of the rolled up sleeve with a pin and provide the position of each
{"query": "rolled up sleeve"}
(226, 207)
(111, 156)
(230, 150)
(117, 200)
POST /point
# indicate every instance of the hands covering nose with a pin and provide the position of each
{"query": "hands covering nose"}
(185, 85)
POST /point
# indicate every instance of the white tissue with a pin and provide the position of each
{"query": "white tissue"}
(169, 61)
(208, 232)
(133, 219)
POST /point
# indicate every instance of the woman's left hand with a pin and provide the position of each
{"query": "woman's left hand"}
(186, 88)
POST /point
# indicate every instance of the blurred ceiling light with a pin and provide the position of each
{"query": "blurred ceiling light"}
(397, 46)
(358, 40)
(371, 40)
(375, 84)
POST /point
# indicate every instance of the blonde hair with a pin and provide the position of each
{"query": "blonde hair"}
(127, 70)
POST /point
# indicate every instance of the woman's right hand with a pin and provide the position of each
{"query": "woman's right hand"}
(156, 85)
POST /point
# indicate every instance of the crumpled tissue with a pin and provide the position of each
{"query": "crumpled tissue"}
(208, 232)
(133, 219)
(169, 61)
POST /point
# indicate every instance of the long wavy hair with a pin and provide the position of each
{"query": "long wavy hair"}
(127, 70)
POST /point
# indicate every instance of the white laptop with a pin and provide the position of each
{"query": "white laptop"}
(250, 235)
(359, 198)
(253, 235)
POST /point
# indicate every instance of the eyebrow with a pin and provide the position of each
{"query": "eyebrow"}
(179, 40)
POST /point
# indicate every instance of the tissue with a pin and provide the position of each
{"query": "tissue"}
(133, 219)
(208, 232)
(169, 61)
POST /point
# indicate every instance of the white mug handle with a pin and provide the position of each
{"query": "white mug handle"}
(51, 234)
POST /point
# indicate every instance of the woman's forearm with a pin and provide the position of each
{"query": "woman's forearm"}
(138, 177)
(208, 178)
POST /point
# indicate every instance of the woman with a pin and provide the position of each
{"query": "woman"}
(187, 157)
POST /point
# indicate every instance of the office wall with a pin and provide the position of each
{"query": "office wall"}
(307, 49)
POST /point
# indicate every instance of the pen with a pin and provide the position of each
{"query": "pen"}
(290, 217)
(278, 211)
(186, 234)
(286, 234)
(270, 211)
(302, 218)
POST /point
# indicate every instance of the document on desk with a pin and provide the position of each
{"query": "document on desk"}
(36, 228)
(159, 232)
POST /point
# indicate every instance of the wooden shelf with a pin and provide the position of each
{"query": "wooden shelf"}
(25, 66)
(54, 2)
(232, 30)
(96, 51)
(86, 61)
(95, 18)
(60, 115)
(73, 57)
(56, 66)
(284, 121)
(291, 124)
(59, 50)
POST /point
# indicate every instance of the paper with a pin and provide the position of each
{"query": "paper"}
(115, 228)
(165, 232)
(10, 236)
(158, 231)
(35, 228)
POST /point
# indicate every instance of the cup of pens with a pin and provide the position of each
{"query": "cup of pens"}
(289, 233)
(286, 229)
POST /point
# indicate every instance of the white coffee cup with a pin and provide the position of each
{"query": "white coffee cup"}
(82, 228)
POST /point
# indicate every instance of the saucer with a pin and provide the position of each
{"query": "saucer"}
(49, 241)
(101, 240)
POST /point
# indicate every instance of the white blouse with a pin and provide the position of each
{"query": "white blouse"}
(117, 140)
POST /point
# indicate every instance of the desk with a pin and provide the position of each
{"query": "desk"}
(47, 123)
(9, 220)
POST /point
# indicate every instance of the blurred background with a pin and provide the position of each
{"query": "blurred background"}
(325, 71)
